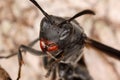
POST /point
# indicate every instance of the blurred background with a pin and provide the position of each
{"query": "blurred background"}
(20, 24)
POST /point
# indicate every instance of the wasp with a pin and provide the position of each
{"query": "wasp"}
(62, 41)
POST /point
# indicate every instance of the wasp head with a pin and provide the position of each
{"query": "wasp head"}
(58, 33)
(52, 35)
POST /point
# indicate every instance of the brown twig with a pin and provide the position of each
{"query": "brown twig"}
(4, 75)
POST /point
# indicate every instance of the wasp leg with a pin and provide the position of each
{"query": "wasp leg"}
(51, 63)
(45, 62)
(29, 49)
(52, 69)
(47, 66)
(108, 50)
(59, 56)
(49, 72)
(33, 42)
(53, 77)
(15, 53)
(9, 56)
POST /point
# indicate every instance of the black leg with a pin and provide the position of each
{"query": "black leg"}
(51, 68)
(47, 66)
(50, 64)
(54, 74)
(29, 49)
(25, 48)
(48, 72)
(9, 56)
(45, 62)
(58, 57)
(33, 42)
(15, 53)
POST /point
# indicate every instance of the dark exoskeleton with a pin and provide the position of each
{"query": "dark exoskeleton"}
(73, 71)
(63, 40)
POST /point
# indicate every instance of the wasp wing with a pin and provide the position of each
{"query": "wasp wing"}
(102, 47)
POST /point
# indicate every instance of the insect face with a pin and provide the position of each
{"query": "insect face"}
(56, 31)
(56, 36)
(53, 36)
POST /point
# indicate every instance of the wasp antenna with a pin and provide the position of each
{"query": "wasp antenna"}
(44, 13)
(77, 15)
(80, 14)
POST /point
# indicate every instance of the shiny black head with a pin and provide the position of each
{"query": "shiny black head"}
(56, 32)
